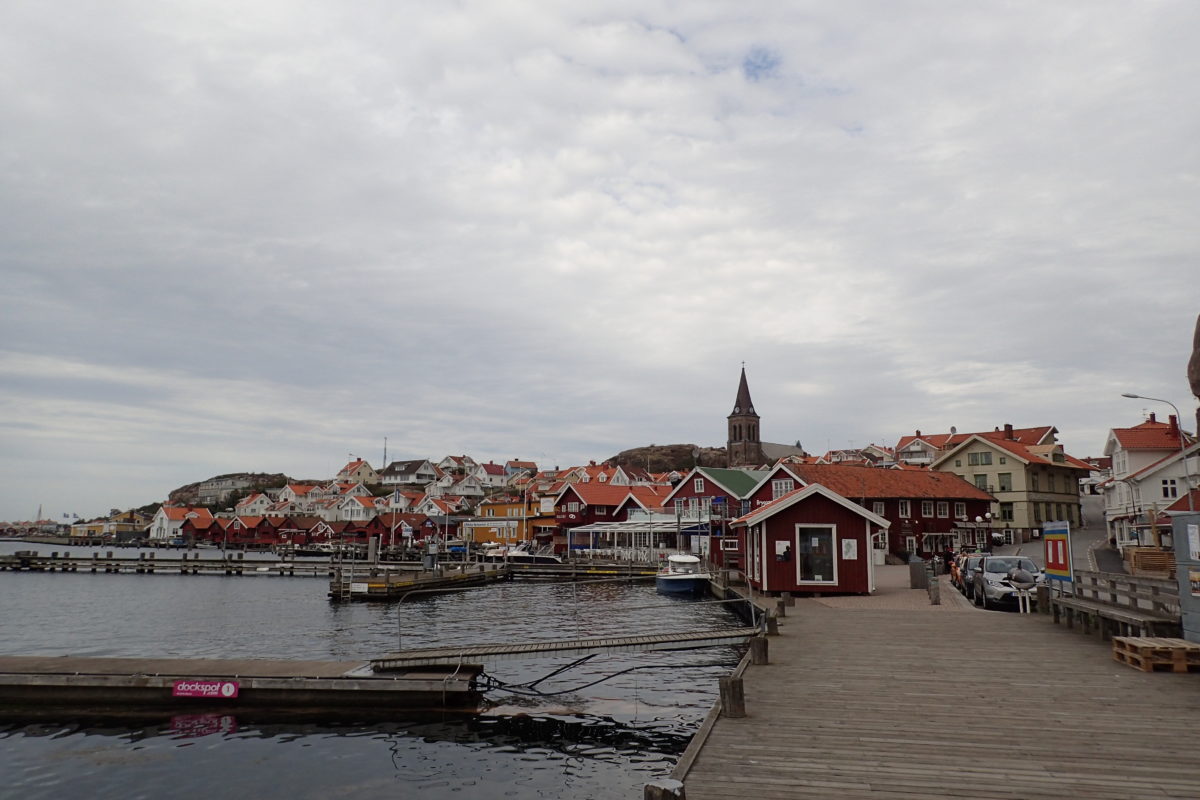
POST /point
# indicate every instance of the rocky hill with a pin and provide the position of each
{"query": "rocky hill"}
(667, 457)
(189, 494)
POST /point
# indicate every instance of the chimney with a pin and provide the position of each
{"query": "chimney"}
(1152, 419)
(918, 434)
(1173, 425)
(1008, 430)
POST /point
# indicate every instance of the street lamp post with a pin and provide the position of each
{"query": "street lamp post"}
(1187, 474)
(988, 536)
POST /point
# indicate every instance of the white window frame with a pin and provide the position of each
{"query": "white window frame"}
(905, 509)
(878, 508)
(960, 510)
(698, 485)
(835, 549)
(926, 508)
(943, 509)
(781, 486)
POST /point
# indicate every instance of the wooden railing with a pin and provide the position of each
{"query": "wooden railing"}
(1155, 595)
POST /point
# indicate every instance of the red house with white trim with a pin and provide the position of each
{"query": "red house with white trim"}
(927, 508)
(812, 540)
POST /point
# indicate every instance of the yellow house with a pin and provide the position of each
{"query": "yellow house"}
(504, 519)
(1032, 483)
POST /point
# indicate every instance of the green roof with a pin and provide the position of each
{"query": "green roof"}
(738, 481)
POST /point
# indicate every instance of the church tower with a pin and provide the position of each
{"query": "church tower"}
(743, 445)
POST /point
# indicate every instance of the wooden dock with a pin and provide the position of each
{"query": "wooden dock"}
(92, 684)
(890, 697)
(364, 582)
(577, 648)
(149, 563)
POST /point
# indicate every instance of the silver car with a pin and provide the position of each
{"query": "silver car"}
(991, 583)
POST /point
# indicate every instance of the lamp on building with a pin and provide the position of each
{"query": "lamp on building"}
(1187, 475)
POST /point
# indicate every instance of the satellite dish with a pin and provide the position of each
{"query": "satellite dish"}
(953, 430)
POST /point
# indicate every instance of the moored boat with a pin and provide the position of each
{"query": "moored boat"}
(519, 554)
(681, 576)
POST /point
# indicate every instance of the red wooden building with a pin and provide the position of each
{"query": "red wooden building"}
(929, 510)
(810, 540)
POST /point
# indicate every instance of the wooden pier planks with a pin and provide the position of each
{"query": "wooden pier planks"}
(572, 647)
(891, 703)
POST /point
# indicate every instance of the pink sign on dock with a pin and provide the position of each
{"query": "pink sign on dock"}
(215, 689)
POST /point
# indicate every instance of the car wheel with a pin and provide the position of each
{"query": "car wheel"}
(984, 602)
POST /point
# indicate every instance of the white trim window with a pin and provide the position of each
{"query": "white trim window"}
(926, 508)
(878, 508)
(905, 509)
(943, 509)
(960, 510)
(816, 554)
(698, 485)
(1169, 489)
(781, 486)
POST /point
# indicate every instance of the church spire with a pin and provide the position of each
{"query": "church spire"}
(742, 446)
(743, 404)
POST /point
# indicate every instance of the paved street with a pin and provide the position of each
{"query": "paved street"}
(1089, 543)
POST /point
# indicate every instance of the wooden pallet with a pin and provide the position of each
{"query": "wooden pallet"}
(1154, 653)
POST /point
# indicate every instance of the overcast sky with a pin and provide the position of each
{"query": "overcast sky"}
(262, 236)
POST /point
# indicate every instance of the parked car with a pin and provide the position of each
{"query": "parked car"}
(991, 579)
(965, 574)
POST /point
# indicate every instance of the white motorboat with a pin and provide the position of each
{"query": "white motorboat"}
(681, 575)
(519, 554)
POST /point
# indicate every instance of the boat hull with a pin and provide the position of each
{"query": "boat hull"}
(681, 585)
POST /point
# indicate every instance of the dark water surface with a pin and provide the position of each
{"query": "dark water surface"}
(602, 741)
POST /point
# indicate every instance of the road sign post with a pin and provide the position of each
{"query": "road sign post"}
(1056, 538)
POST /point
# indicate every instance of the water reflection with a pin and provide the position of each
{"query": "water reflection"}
(441, 755)
(577, 738)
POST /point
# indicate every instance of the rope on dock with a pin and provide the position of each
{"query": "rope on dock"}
(489, 683)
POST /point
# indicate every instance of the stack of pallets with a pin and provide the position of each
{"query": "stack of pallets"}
(1153, 653)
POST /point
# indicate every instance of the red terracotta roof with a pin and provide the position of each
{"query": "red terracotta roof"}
(601, 494)
(944, 441)
(180, 513)
(492, 469)
(1150, 435)
(1182, 503)
(855, 481)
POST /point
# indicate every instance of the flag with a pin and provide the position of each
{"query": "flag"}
(66, 516)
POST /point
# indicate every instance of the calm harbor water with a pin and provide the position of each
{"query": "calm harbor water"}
(599, 741)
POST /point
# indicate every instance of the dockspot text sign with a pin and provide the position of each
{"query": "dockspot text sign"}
(221, 690)
(1057, 538)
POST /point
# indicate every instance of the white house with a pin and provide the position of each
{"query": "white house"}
(1148, 474)
(169, 519)
(415, 472)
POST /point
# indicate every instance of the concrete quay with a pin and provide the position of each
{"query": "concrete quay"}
(888, 696)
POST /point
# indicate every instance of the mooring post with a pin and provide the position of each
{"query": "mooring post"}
(664, 789)
(781, 607)
(788, 598)
(758, 650)
(772, 623)
(733, 697)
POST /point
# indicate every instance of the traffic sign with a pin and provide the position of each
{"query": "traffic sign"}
(1057, 539)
